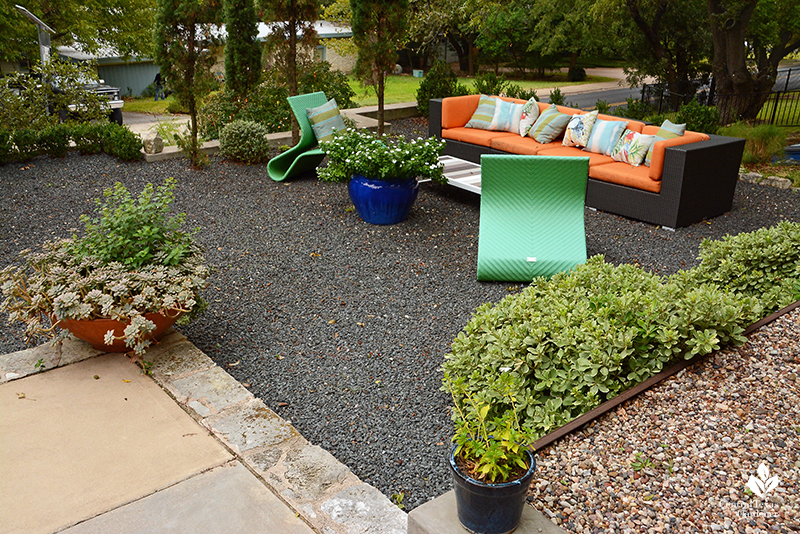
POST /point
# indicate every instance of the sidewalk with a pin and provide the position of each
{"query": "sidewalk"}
(93, 446)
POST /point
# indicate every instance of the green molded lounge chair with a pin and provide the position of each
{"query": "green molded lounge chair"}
(303, 156)
(532, 216)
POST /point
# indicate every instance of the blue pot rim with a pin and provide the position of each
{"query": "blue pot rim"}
(398, 181)
(474, 482)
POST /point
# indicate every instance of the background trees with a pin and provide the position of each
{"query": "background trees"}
(122, 25)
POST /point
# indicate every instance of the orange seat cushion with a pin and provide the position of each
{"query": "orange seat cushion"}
(475, 136)
(624, 174)
(526, 146)
(458, 110)
(657, 161)
(594, 159)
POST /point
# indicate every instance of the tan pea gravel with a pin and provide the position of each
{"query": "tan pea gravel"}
(677, 459)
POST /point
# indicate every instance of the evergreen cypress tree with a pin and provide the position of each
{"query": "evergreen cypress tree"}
(242, 50)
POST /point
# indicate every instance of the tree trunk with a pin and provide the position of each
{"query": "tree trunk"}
(291, 74)
(462, 50)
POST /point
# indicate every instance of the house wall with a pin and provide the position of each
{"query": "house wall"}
(131, 78)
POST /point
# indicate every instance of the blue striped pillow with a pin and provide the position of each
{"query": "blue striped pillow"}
(483, 116)
(506, 116)
(325, 120)
(605, 135)
(550, 124)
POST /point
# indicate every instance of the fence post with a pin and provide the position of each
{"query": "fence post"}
(775, 109)
(788, 76)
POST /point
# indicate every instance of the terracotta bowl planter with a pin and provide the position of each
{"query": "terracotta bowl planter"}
(93, 331)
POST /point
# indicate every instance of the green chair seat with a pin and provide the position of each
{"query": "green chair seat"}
(304, 156)
(531, 216)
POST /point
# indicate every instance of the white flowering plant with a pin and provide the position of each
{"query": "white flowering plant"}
(351, 152)
(110, 278)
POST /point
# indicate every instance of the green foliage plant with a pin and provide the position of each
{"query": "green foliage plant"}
(515, 91)
(7, 149)
(490, 446)
(439, 82)
(699, 118)
(54, 140)
(489, 83)
(602, 106)
(122, 143)
(353, 151)
(634, 109)
(580, 338)
(88, 137)
(242, 48)
(762, 142)
(764, 264)
(244, 141)
(26, 141)
(132, 260)
(557, 97)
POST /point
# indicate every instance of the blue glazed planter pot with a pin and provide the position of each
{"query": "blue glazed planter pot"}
(490, 508)
(382, 202)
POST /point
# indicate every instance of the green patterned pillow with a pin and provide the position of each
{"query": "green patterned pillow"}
(530, 112)
(579, 129)
(325, 120)
(668, 130)
(483, 116)
(632, 147)
(549, 125)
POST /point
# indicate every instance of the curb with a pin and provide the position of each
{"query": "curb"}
(318, 488)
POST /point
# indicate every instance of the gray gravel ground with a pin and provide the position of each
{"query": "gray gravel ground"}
(339, 326)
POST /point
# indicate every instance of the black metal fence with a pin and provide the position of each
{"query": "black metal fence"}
(781, 106)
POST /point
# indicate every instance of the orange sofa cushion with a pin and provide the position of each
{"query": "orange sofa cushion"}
(475, 136)
(594, 159)
(527, 146)
(657, 161)
(624, 174)
(458, 110)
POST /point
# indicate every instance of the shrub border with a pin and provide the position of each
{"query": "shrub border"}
(591, 415)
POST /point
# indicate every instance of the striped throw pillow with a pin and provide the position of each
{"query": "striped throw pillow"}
(605, 135)
(506, 116)
(483, 116)
(668, 130)
(549, 125)
(325, 120)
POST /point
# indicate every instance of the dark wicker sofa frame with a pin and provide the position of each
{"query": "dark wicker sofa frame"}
(698, 181)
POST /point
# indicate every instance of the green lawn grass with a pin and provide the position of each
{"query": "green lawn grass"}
(403, 88)
(399, 89)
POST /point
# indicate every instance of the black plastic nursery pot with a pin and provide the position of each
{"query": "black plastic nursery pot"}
(490, 508)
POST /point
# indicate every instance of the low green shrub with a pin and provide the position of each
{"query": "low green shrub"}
(439, 82)
(7, 150)
(244, 141)
(54, 140)
(120, 142)
(489, 83)
(764, 264)
(602, 106)
(557, 97)
(583, 337)
(634, 109)
(88, 137)
(217, 110)
(27, 143)
(761, 142)
(699, 118)
(576, 74)
(515, 91)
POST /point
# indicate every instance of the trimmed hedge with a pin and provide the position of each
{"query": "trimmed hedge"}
(581, 338)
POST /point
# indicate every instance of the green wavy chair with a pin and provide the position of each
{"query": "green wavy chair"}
(532, 216)
(304, 156)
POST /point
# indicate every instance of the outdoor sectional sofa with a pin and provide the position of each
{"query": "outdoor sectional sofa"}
(691, 178)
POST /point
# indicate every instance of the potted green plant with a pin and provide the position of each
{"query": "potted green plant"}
(121, 285)
(491, 460)
(381, 172)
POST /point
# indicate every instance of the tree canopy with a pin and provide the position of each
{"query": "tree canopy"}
(124, 26)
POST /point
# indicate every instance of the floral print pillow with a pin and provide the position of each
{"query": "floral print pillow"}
(530, 112)
(632, 147)
(579, 129)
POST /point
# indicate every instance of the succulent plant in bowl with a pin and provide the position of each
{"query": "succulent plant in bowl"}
(133, 270)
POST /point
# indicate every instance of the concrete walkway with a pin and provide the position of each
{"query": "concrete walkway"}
(93, 446)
